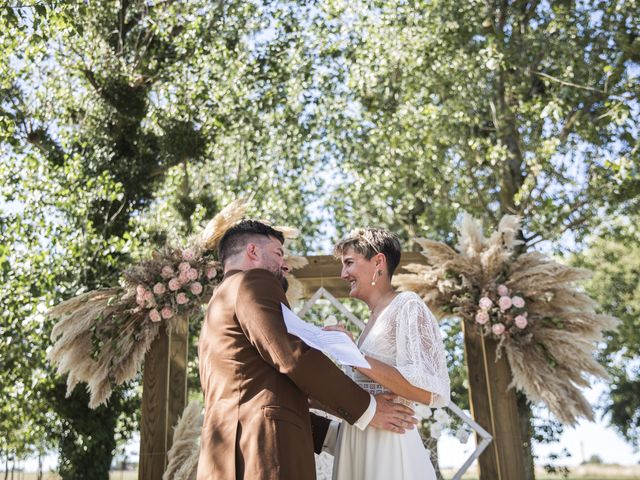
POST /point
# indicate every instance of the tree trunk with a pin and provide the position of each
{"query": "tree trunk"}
(524, 416)
(40, 455)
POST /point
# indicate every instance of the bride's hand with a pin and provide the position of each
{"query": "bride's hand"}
(340, 328)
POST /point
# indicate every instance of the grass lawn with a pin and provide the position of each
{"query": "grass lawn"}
(583, 472)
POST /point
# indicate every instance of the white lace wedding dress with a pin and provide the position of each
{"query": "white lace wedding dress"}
(406, 336)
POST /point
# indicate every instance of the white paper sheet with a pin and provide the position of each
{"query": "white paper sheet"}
(336, 344)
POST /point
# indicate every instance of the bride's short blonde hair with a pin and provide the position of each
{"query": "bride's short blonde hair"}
(371, 241)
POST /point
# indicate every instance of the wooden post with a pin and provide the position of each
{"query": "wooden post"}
(179, 355)
(164, 397)
(494, 406)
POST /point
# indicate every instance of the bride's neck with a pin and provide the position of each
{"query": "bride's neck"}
(381, 299)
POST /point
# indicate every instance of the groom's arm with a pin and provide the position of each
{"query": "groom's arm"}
(259, 314)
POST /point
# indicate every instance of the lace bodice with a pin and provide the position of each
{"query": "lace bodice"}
(406, 336)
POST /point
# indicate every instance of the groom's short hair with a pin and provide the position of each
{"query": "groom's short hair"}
(239, 235)
(371, 241)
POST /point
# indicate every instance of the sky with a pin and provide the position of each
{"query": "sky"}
(584, 440)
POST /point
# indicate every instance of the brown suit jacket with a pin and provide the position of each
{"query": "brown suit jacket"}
(257, 379)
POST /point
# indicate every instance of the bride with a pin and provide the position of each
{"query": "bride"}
(403, 345)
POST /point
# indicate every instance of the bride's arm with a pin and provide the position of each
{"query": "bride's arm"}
(390, 378)
(420, 369)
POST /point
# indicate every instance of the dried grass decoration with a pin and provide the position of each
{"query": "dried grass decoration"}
(101, 337)
(529, 303)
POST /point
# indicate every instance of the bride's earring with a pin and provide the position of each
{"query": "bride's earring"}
(376, 274)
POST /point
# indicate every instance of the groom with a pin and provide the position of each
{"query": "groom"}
(257, 378)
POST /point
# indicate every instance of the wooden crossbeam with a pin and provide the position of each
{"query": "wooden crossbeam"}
(324, 271)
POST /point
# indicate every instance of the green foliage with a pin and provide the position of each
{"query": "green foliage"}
(492, 108)
(615, 259)
(127, 124)
(124, 125)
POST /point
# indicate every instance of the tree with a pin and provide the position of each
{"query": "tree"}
(615, 259)
(495, 108)
(482, 107)
(127, 125)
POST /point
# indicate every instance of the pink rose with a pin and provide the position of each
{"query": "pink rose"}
(140, 290)
(521, 321)
(184, 276)
(193, 274)
(174, 284)
(196, 288)
(504, 303)
(485, 303)
(181, 298)
(518, 302)
(149, 298)
(140, 301)
(188, 255)
(184, 266)
(167, 312)
(498, 329)
(503, 291)
(154, 315)
(482, 317)
(167, 272)
(159, 288)
(211, 272)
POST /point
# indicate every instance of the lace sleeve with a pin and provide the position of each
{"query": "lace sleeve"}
(420, 352)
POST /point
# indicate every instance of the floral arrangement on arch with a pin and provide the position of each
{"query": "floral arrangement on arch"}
(102, 336)
(502, 313)
(529, 303)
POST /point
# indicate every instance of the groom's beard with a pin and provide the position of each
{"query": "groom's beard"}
(277, 271)
(283, 281)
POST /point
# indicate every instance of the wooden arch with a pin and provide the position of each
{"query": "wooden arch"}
(493, 405)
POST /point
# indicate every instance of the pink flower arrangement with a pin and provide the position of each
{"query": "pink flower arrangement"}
(182, 298)
(159, 288)
(501, 312)
(196, 288)
(174, 284)
(482, 317)
(485, 303)
(504, 303)
(518, 302)
(154, 315)
(498, 329)
(521, 321)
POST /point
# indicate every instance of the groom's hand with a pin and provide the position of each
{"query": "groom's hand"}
(392, 416)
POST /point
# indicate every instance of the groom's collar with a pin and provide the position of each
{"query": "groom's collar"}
(230, 273)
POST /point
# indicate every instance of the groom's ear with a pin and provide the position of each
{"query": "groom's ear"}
(251, 250)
